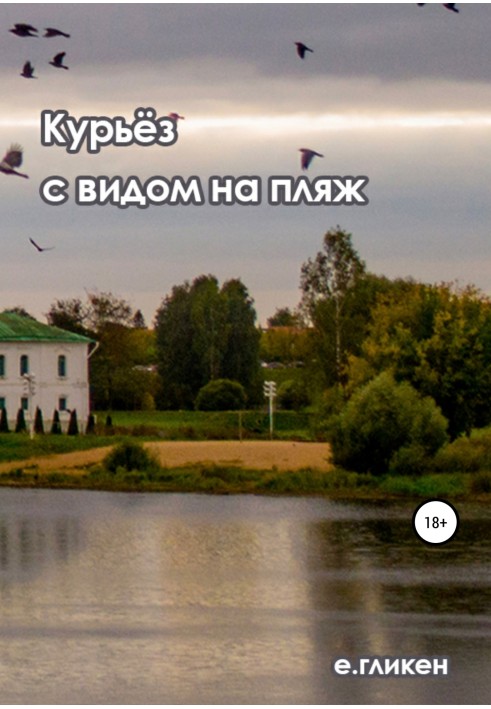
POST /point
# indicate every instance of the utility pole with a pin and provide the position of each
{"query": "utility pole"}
(30, 390)
(269, 389)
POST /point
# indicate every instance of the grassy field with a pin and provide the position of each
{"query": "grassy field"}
(203, 425)
(161, 425)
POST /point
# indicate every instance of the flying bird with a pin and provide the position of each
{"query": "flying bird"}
(448, 5)
(28, 71)
(302, 48)
(307, 157)
(53, 32)
(57, 61)
(40, 248)
(23, 30)
(12, 159)
(176, 116)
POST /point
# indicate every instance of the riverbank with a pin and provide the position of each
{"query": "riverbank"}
(232, 467)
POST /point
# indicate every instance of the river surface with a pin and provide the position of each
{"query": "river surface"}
(115, 598)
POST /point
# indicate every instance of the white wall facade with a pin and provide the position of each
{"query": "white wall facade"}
(51, 385)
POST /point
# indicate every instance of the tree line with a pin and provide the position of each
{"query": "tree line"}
(350, 327)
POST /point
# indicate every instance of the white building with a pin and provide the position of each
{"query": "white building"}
(43, 366)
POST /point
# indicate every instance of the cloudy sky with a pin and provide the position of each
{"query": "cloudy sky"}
(396, 92)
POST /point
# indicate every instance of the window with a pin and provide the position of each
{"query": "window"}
(2, 403)
(61, 366)
(2, 366)
(62, 403)
(24, 365)
(24, 403)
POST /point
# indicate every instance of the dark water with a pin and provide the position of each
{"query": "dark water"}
(190, 599)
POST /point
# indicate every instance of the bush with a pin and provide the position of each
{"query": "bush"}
(90, 428)
(73, 423)
(221, 395)
(481, 483)
(292, 395)
(20, 425)
(386, 424)
(4, 421)
(38, 421)
(465, 455)
(56, 424)
(129, 456)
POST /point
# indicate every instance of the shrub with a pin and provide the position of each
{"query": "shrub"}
(292, 395)
(4, 421)
(221, 395)
(130, 456)
(147, 402)
(465, 455)
(73, 424)
(56, 425)
(90, 428)
(409, 460)
(38, 421)
(386, 423)
(20, 425)
(481, 483)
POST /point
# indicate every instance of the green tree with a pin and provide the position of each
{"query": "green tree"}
(70, 314)
(178, 367)
(327, 282)
(209, 319)
(124, 346)
(204, 332)
(242, 338)
(439, 339)
(284, 317)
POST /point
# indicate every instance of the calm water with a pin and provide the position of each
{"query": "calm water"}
(127, 598)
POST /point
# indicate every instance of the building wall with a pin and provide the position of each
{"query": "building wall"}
(50, 387)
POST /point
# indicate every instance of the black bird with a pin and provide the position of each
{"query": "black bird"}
(28, 71)
(12, 159)
(448, 5)
(53, 32)
(23, 30)
(307, 157)
(40, 248)
(302, 48)
(57, 61)
(176, 116)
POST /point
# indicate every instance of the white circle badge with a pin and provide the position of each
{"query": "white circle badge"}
(436, 521)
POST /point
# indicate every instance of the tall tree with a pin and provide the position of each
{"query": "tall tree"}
(178, 367)
(118, 331)
(284, 317)
(209, 319)
(69, 314)
(204, 332)
(327, 282)
(241, 354)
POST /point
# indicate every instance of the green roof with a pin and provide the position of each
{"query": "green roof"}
(18, 328)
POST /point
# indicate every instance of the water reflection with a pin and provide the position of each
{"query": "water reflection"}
(193, 599)
(27, 545)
